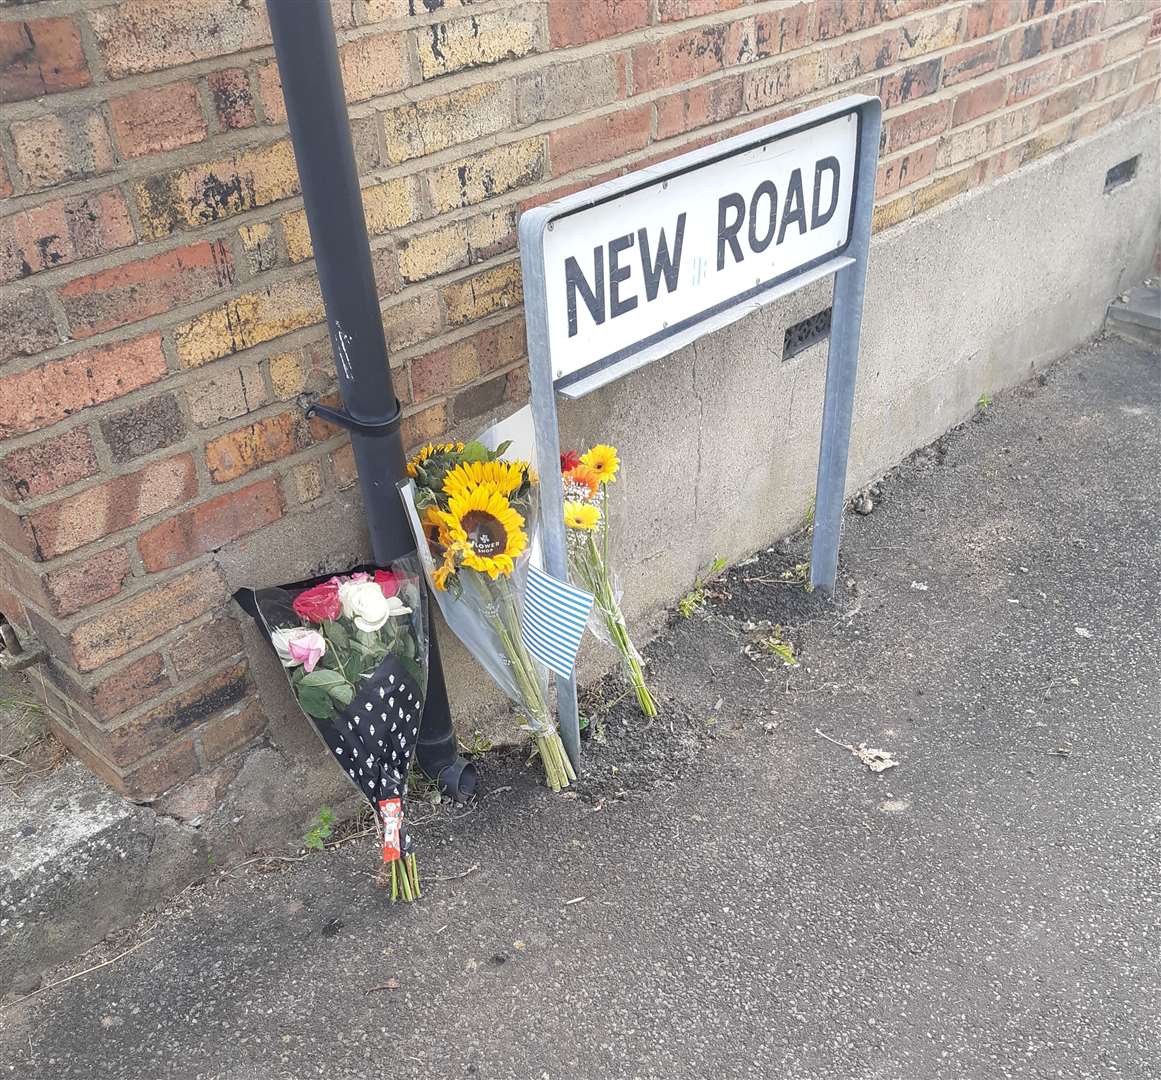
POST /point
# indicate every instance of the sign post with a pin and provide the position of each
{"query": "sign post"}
(632, 270)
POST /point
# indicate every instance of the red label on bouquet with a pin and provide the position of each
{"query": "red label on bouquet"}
(391, 814)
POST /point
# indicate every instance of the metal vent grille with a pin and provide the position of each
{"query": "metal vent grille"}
(806, 333)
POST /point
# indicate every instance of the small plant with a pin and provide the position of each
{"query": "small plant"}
(985, 402)
(480, 744)
(781, 648)
(321, 831)
(810, 512)
(693, 600)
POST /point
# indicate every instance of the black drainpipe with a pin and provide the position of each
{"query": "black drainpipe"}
(316, 109)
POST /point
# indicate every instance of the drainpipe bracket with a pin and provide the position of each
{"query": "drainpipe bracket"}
(380, 427)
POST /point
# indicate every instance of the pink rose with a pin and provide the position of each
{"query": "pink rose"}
(298, 645)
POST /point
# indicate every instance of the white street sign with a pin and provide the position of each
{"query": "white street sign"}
(643, 269)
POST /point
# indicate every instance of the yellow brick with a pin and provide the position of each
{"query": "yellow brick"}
(386, 206)
(481, 294)
(491, 172)
(297, 233)
(259, 246)
(189, 197)
(929, 33)
(308, 482)
(248, 320)
(490, 234)
(945, 188)
(389, 205)
(433, 253)
(287, 376)
(424, 127)
(1048, 141)
(892, 213)
(482, 39)
(373, 65)
(411, 321)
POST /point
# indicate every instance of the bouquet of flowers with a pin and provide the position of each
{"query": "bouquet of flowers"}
(586, 480)
(355, 650)
(477, 514)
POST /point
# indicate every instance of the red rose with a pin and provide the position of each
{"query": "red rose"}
(388, 582)
(320, 603)
(569, 460)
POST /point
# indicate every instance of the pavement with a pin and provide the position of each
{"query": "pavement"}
(727, 893)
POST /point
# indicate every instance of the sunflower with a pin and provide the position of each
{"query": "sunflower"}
(434, 528)
(603, 461)
(430, 450)
(579, 515)
(584, 476)
(445, 569)
(505, 477)
(490, 533)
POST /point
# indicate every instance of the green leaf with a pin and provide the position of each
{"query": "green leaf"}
(322, 678)
(342, 694)
(475, 451)
(502, 449)
(337, 635)
(315, 702)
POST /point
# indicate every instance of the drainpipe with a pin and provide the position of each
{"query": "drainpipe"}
(316, 109)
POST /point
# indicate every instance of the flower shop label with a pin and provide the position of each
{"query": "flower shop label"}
(643, 265)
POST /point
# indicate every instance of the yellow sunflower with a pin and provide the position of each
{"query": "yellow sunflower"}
(504, 476)
(428, 451)
(445, 569)
(434, 528)
(490, 533)
(603, 461)
(578, 515)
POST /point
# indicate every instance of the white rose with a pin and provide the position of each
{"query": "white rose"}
(364, 602)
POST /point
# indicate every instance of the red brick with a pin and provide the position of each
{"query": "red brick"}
(572, 23)
(838, 17)
(5, 183)
(232, 730)
(40, 56)
(1081, 61)
(673, 10)
(133, 291)
(153, 777)
(970, 62)
(130, 741)
(132, 685)
(205, 645)
(901, 171)
(239, 452)
(481, 398)
(1067, 101)
(1076, 24)
(62, 231)
(909, 83)
(209, 525)
(1033, 81)
(41, 396)
(148, 426)
(1127, 42)
(698, 106)
(689, 55)
(87, 582)
(424, 425)
(233, 101)
(108, 508)
(1025, 42)
(47, 466)
(16, 532)
(157, 118)
(988, 16)
(780, 31)
(149, 35)
(145, 616)
(26, 328)
(980, 100)
(601, 139)
(61, 147)
(343, 462)
(917, 125)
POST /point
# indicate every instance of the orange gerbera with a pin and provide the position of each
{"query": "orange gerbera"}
(585, 476)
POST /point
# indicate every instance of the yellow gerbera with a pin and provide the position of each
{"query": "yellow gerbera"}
(490, 533)
(428, 451)
(578, 515)
(603, 461)
(504, 476)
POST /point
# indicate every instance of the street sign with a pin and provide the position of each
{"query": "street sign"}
(636, 267)
(631, 270)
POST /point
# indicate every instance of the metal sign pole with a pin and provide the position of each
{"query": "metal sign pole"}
(842, 362)
(553, 543)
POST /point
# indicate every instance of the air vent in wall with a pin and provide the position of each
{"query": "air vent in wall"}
(1122, 173)
(806, 333)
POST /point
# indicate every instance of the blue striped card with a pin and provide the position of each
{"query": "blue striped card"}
(553, 619)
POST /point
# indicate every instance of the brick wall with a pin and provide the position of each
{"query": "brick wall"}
(159, 312)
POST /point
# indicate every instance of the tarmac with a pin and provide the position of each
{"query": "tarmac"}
(727, 893)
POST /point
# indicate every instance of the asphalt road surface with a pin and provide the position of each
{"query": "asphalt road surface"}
(729, 895)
